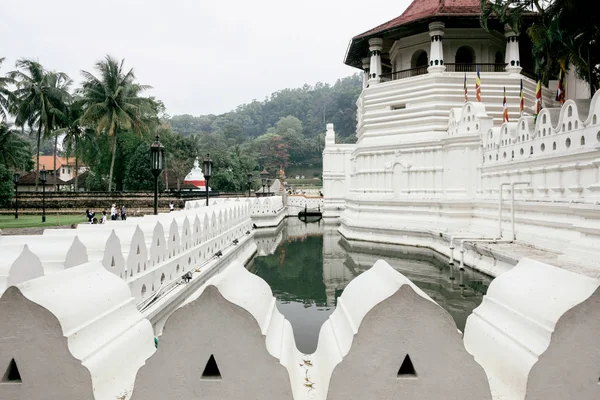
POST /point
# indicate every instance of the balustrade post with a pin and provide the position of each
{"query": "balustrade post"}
(375, 47)
(512, 58)
(365, 65)
(436, 54)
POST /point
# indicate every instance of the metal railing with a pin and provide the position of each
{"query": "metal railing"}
(406, 73)
(483, 67)
(451, 67)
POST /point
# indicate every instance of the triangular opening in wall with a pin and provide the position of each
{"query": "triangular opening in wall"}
(12, 374)
(112, 261)
(211, 371)
(138, 249)
(407, 369)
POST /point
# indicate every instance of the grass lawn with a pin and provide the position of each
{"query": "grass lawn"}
(29, 221)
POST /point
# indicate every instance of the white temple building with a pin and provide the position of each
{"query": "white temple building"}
(429, 166)
(196, 177)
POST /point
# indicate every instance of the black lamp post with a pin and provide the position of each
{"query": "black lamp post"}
(263, 178)
(249, 175)
(207, 165)
(16, 181)
(157, 160)
(43, 178)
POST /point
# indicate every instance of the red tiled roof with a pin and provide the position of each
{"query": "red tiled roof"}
(29, 179)
(420, 9)
(48, 162)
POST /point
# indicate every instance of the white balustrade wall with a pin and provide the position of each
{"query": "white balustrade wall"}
(336, 174)
(264, 211)
(420, 182)
(297, 203)
(78, 334)
(149, 253)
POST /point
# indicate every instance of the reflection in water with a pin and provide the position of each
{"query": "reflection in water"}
(309, 265)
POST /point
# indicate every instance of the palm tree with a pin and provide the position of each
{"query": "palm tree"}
(112, 103)
(15, 150)
(5, 94)
(75, 133)
(61, 83)
(38, 100)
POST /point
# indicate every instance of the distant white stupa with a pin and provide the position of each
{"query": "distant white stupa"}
(196, 177)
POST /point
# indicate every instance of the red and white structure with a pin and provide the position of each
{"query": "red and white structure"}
(196, 177)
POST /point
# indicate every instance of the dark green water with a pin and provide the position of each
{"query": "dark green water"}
(309, 265)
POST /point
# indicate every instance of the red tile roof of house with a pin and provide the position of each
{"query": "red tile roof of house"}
(29, 179)
(421, 9)
(48, 162)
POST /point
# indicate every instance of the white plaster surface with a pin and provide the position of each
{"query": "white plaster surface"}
(74, 335)
(233, 318)
(535, 334)
(380, 318)
(18, 264)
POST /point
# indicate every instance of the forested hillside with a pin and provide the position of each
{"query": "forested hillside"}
(285, 129)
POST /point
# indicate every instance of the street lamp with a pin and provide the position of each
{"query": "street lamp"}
(43, 178)
(16, 181)
(207, 165)
(263, 178)
(250, 176)
(157, 160)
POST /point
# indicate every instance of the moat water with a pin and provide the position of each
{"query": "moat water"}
(309, 265)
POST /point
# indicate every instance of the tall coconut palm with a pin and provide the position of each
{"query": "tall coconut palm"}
(58, 113)
(113, 104)
(75, 133)
(38, 99)
(15, 150)
(5, 93)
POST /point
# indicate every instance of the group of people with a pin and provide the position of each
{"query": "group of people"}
(116, 214)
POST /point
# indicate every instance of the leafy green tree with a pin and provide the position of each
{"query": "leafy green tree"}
(564, 32)
(113, 104)
(16, 151)
(138, 175)
(95, 182)
(272, 152)
(39, 99)
(181, 152)
(6, 186)
(298, 116)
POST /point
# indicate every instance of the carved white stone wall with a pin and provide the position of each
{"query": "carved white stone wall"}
(18, 264)
(409, 173)
(535, 334)
(57, 253)
(336, 174)
(73, 334)
(388, 339)
(247, 338)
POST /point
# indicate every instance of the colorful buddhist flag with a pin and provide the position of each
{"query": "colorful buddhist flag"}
(521, 99)
(505, 108)
(478, 85)
(560, 91)
(538, 96)
(466, 94)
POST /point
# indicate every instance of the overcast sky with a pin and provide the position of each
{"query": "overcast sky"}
(200, 56)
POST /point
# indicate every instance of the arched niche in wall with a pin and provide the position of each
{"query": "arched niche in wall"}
(465, 55)
(419, 59)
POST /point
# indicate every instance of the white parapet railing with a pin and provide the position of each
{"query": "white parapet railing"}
(533, 337)
(264, 211)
